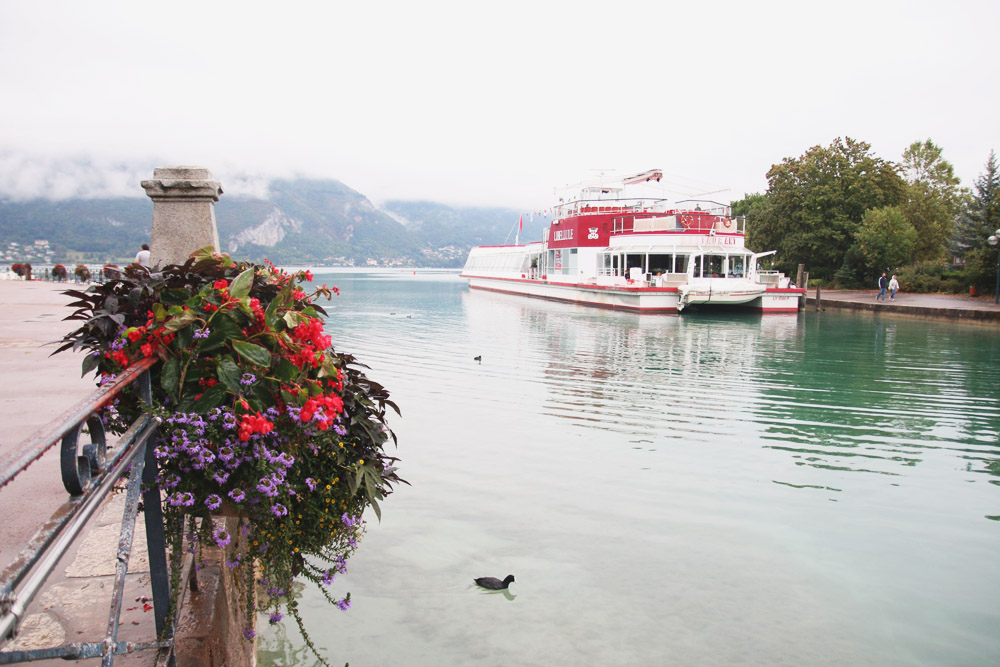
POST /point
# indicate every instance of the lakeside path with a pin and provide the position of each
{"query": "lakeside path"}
(35, 389)
(955, 307)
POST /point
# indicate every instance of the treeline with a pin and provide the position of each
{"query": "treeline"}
(849, 215)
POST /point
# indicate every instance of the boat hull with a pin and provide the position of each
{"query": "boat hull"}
(634, 299)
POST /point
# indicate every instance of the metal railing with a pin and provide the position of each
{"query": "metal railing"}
(89, 474)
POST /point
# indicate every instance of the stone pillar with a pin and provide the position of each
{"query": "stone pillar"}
(183, 213)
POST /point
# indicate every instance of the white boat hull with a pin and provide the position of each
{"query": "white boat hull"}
(639, 299)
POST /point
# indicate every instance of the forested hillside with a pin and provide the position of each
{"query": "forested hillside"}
(319, 222)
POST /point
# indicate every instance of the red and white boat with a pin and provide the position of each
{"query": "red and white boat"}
(604, 248)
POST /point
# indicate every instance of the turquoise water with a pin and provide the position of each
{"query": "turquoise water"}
(705, 489)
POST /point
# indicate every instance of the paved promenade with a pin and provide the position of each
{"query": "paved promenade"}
(956, 307)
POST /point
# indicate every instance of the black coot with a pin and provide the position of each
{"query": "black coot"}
(493, 583)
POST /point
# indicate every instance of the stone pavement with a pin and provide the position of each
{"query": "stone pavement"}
(35, 389)
(956, 307)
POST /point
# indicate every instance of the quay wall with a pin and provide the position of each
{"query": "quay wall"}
(949, 307)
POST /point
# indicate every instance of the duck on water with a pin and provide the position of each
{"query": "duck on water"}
(494, 584)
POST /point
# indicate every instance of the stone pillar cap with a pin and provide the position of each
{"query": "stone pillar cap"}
(189, 173)
(182, 182)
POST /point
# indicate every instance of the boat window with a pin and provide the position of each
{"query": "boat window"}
(714, 266)
(737, 266)
(681, 263)
(660, 264)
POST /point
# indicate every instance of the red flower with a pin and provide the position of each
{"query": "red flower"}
(251, 424)
(120, 358)
(221, 284)
(331, 406)
(135, 334)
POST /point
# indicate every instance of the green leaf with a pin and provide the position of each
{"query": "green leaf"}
(255, 354)
(285, 371)
(223, 330)
(172, 297)
(229, 374)
(180, 321)
(170, 376)
(213, 397)
(159, 312)
(242, 284)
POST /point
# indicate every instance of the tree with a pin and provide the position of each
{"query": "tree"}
(816, 204)
(933, 198)
(978, 219)
(885, 238)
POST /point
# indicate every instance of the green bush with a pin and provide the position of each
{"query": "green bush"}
(932, 278)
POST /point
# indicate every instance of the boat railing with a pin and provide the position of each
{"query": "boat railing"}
(605, 206)
(704, 222)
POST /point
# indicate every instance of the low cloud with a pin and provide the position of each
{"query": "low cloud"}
(26, 177)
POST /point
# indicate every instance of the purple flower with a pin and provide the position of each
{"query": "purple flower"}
(213, 502)
(221, 537)
(311, 483)
(237, 495)
(221, 476)
(231, 563)
(249, 633)
(328, 577)
(248, 379)
(275, 617)
(279, 510)
(202, 333)
(348, 520)
(186, 499)
(266, 486)
(345, 604)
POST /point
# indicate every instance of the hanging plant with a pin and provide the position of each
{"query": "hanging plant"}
(262, 417)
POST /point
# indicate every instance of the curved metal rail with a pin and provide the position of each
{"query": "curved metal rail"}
(89, 473)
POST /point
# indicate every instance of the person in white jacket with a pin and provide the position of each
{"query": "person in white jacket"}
(893, 288)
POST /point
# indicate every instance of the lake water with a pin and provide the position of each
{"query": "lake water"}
(709, 489)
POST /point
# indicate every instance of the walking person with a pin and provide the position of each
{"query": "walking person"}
(882, 285)
(893, 288)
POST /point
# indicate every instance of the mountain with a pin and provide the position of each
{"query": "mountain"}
(301, 222)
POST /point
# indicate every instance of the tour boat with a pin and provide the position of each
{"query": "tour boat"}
(605, 248)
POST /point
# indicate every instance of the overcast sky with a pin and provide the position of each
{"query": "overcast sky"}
(487, 104)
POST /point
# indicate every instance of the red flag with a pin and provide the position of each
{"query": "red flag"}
(520, 224)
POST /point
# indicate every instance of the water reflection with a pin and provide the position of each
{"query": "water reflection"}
(854, 394)
(718, 489)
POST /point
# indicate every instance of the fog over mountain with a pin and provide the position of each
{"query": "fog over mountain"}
(91, 212)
